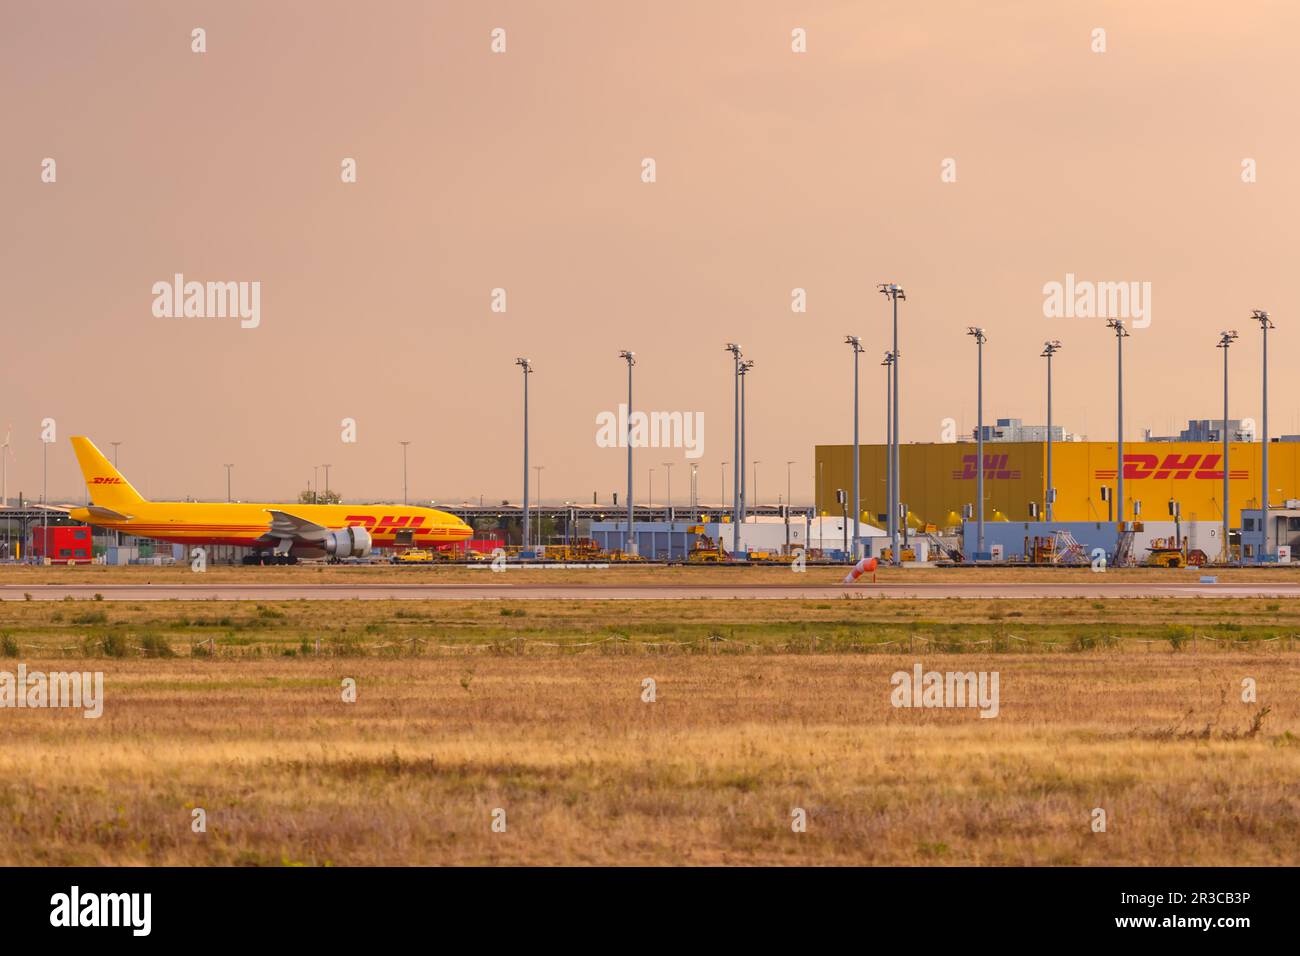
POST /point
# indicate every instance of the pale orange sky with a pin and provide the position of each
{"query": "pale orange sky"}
(776, 170)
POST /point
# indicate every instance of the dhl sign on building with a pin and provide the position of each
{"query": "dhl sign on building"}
(938, 480)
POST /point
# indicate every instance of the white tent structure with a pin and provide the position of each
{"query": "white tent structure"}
(828, 533)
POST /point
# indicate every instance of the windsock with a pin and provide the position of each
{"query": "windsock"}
(859, 569)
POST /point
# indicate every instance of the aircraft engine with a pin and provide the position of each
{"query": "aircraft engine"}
(351, 542)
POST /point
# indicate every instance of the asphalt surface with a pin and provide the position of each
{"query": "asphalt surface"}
(641, 592)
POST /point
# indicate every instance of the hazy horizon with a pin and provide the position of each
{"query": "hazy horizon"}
(522, 170)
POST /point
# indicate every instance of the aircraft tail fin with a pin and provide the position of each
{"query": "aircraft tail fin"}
(106, 485)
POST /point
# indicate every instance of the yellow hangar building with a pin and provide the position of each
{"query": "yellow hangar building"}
(939, 480)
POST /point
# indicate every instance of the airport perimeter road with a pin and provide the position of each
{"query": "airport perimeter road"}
(986, 590)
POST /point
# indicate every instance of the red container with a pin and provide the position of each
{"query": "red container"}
(65, 544)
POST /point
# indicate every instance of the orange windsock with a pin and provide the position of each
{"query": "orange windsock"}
(859, 569)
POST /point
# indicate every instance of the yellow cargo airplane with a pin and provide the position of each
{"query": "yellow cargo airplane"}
(279, 534)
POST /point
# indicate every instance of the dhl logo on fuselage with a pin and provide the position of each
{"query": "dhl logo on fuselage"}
(390, 524)
(1175, 466)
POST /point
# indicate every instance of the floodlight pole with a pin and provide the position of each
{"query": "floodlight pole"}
(1225, 340)
(889, 434)
(980, 339)
(894, 292)
(630, 546)
(1049, 349)
(856, 344)
(742, 494)
(1121, 334)
(1265, 324)
(527, 368)
(736, 354)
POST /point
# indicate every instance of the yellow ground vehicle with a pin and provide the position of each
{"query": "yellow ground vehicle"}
(583, 549)
(414, 556)
(909, 554)
(1163, 554)
(616, 556)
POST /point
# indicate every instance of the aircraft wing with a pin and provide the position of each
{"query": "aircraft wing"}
(294, 535)
(285, 525)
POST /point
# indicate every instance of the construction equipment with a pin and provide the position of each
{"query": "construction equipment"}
(703, 549)
(1164, 554)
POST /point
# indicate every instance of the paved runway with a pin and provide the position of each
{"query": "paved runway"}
(645, 592)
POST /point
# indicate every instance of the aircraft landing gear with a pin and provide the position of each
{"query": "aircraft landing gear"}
(270, 557)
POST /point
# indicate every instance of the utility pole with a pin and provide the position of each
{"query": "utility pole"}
(980, 339)
(843, 500)
(1225, 340)
(1265, 324)
(787, 507)
(1049, 349)
(695, 492)
(5, 453)
(227, 467)
(45, 511)
(327, 483)
(722, 501)
(527, 367)
(743, 487)
(668, 466)
(538, 469)
(315, 484)
(630, 358)
(404, 494)
(1121, 334)
(117, 535)
(894, 292)
(856, 344)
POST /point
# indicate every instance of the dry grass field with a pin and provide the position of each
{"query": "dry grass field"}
(464, 708)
